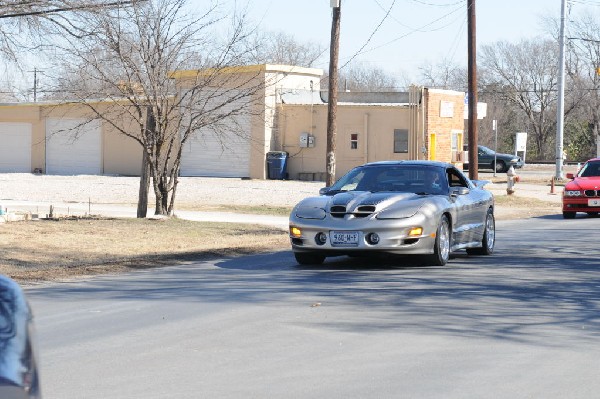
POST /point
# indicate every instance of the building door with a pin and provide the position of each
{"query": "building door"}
(73, 147)
(225, 153)
(15, 147)
(432, 147)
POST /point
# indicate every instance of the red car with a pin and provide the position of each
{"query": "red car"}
(582, 194)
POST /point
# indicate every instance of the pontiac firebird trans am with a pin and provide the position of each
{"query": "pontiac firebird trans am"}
(396, 207)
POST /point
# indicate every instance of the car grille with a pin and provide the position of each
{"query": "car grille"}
(592, 193)
(339, 211)
(364, 211)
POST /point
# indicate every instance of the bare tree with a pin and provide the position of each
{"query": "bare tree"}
(583, 65)
(524, 74)
(444, 75)
(356, 77)
(283, 48)
(127, 59)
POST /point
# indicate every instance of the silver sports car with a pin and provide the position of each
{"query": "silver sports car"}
(397, 207)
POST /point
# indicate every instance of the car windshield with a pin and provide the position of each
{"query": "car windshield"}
(485, 150)
(590, 169)
(419, 179)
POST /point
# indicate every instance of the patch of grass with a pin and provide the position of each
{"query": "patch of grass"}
(523, 202)
(250, 209)
(48, 249)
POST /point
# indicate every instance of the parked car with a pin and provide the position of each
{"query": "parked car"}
(582, 193)
(500, 162)
(402, 207)
(18, 363)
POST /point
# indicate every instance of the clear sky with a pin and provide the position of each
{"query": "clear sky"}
(415, 31)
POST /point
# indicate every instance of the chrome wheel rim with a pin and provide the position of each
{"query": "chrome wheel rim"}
(444, 241)
(491, 231)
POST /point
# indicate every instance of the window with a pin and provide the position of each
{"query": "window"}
(354, 141)
(400, 140)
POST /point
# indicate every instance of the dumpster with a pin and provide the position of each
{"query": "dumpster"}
(277, 165)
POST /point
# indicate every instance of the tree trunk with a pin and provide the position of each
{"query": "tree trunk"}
(142, 208)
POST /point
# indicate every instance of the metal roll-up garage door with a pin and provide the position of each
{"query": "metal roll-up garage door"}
(15, 147)
(73, 147)
(226, 154)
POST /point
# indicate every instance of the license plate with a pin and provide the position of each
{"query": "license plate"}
(344, 238)
(594, 202)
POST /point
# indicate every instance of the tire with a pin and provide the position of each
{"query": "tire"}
(441, 247)
(568, 215)
(593, 214)
(500, 167)
(304, 258)
(489, 237)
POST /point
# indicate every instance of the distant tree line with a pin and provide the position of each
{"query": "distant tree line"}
(519, 83)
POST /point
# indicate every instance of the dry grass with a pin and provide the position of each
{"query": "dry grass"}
(515, 207)
(50, 250)
(47, 250)
(251, 209)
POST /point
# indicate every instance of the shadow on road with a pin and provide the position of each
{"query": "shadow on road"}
(522, 288)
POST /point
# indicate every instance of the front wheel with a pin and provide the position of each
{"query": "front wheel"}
(308, 258)
(489, 237)
(441, 247)
(500, 167)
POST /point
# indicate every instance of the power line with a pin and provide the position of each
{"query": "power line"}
(420, 29)
(370, 36)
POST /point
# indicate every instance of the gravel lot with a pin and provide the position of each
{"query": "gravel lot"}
(206, 191)
(124, 190)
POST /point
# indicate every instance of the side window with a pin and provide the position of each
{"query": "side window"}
(400, 140)
(456, 180)
(354, 141)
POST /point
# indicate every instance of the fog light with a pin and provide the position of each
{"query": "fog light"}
(415, 232)
(295, 232)
(373, 238)
(321, 238)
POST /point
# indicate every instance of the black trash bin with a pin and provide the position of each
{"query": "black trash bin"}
(277, 165)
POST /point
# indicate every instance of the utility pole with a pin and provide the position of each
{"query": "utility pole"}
(472, 94)
(560, 109)
(333, 92)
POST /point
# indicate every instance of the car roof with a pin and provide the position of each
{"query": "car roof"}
(437, 164)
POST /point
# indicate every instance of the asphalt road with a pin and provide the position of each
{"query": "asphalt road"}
(523, 323)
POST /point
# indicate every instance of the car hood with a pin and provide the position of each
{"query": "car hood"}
(361, 204)
(584, 183)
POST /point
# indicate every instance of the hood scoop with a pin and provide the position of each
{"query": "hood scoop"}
(361, 204)
(361, 211)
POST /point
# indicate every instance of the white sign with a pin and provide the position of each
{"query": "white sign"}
(446, 109)
(521, 142)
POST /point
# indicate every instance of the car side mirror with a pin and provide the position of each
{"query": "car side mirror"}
(324, 190)
(456, 191)
(570, 176)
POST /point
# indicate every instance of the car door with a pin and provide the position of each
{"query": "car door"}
(469, 206)
(484, 158)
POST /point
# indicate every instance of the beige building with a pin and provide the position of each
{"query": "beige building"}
(286, 114)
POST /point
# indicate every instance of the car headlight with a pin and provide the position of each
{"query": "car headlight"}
(572, 193)
(514, 160)
(310, 213)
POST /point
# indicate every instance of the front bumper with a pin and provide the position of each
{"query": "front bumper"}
(393, 235)
(517, 165)
(580, 204)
